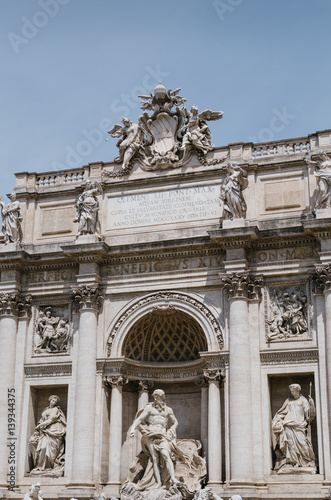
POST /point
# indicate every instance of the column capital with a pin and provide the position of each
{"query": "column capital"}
(115, 380)
(15, 304)
(87, 297)
(201, 382)
(145, 385)
(243, 285)
(321, 279)
(213, 375)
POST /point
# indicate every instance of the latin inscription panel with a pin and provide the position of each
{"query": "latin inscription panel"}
(164, 207)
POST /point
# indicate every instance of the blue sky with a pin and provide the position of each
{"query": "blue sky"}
(72, 67)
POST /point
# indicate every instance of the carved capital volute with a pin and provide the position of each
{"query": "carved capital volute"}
(321, 279)
(242, 286)
(115, 380)
(145, 385)
(15, 304)
(213, 375)
(87, 297)
(201, 382)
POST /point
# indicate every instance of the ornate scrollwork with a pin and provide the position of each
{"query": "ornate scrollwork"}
(243, 285)
(145, 385)
(168, 137)
(87, 297)
(15, 304)
(321, 279)
(213, 375)
(118, 380)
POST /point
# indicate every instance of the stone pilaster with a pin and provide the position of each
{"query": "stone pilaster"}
(116, 383)
(203, 384)
(240, 288)
(321, 281)
(143, 387)
(213, 378)
(87, 299)
(12, 306)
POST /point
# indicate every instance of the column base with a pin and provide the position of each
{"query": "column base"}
(112, 489)
(78, 490)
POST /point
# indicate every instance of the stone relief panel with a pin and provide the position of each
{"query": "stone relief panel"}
(52, 329)
(288, 313)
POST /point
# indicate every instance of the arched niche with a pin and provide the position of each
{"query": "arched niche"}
(165, 308)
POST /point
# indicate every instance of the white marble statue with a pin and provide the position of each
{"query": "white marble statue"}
(48, 440)
(131, 141)
(34, 493)
(234, 205)
(167, 137)
(11, 220)
(323, 174)
(197, 132)
(291, 433)
(87, 207)
(155, 466)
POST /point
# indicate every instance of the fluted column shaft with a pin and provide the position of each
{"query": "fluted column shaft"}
(88, 300)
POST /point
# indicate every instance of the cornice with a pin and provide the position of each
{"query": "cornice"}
(135, 370)
(287, 357)
(48, 370)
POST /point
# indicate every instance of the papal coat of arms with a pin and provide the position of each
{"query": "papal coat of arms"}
(168, 136)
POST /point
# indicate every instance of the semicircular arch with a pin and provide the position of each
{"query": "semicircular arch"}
(190, 304)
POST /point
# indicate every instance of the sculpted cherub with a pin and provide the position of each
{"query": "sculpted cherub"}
(132, 140)
(196, 130)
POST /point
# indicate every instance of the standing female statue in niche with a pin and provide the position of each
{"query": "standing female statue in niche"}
(48, 439)
(291, 441)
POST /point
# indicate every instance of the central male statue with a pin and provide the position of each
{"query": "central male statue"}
(158, 441)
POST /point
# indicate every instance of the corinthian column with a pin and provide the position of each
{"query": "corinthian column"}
(240, 288)
(115, 434)
(87, 298)
(12, 306)
(214, 428)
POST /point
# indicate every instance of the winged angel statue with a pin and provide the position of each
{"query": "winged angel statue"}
(168, 136)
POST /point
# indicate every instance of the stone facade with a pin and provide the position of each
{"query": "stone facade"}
(221, 307)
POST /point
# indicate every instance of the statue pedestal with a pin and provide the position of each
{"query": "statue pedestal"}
(10, 247)
(88, 238)
(323, 213)
(230, 223)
